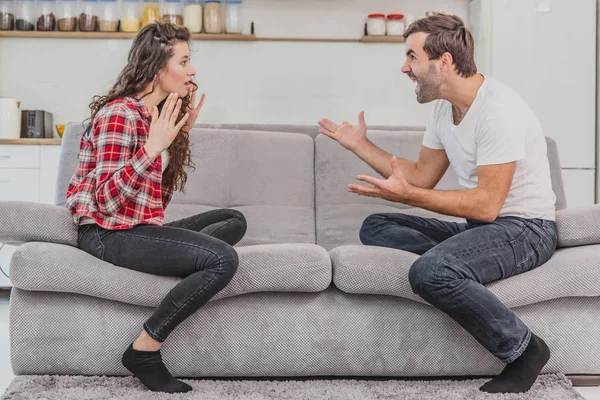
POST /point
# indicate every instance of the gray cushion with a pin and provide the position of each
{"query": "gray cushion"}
(376, 270)
(27, 221)
(267, 268)
(266, 175)
(69, 152)
(578, 226)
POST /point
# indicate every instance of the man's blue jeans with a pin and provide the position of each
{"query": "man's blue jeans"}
(457, 259)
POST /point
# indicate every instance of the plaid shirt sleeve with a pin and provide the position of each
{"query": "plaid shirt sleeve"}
(121, 170)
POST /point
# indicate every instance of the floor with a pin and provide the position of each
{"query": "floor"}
(6, 374)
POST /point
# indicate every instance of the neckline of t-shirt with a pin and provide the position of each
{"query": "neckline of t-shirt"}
(476, 100)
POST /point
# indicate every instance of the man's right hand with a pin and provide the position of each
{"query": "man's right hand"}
(349, 136)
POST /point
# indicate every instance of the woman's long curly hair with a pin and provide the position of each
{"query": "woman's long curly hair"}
(149, 55)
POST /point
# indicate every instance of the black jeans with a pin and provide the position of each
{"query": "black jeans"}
(457, 259)
(198, 249)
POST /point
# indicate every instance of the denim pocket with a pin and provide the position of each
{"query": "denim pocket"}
(529, 248)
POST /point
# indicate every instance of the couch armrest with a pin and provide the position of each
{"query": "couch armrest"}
(22, 221)
(578, 226)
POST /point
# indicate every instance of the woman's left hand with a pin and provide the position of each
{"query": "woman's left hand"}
(193, 111)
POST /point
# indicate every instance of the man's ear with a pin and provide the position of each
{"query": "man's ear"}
(446, 61)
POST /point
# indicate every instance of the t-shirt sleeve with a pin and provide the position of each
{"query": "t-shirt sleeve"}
(432, 137)
(501, 137)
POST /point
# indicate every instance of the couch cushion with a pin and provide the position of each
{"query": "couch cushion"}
(340, 214)
(265, 268)
(311, 130)
(572, 272)
(268, 176)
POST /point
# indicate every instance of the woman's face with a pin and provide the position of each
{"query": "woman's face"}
(179, 73)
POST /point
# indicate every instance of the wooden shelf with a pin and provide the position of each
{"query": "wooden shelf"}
(382, 39)
(32, 141)
(195, 36)
(113, 35)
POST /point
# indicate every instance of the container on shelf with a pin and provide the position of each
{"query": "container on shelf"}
(7, 15)
(192, 15)
(46, 20)
(25, 14)
(395, 25)
(150, 12)
(172, 11)
(376, 25)
(130, 16)
(233, 16)
(66, 12)
(213, 17)
(108, 16)
(88, 18)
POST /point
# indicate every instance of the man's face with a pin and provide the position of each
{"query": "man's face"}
(421, 70)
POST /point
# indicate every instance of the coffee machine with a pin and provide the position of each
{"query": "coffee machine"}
(36, 124)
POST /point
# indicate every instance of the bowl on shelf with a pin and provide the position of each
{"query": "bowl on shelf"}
(60, 129)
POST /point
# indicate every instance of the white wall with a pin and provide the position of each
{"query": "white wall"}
(265, 82)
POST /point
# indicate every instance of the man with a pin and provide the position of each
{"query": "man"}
(496, 146)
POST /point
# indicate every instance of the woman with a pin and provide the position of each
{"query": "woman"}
(132, 157)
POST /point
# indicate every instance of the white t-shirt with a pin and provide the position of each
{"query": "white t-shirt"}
(498, 128)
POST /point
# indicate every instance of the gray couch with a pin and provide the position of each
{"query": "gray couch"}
(308, 299)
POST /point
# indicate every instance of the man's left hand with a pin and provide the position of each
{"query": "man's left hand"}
(395, 188)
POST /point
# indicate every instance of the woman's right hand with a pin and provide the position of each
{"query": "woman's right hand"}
(163, 129)
(349, 136)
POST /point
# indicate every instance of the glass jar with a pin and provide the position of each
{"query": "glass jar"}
(172, 11)
(7, 15)
(213, 18)
(108, 17)
(376, 25)
(233, 16)
(150, 13)
(192, 15)
(130, 16)
(26, 14)
(395, 25)
(46, 20)
(67, 15)
(88, 19)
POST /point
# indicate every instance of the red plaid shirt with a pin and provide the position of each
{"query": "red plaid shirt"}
(115, 183)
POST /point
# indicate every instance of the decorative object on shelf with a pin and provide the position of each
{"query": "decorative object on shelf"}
(60, 129)
(395, 25)
(67, 15)
(150, 13)
(192, 15)
(26, 14)
(130, 16)
(46, 20)
(172, 11)
(7, 15)
(88, 19)
(108, 17)
(213, 16)
(376, 25)
(233, 16)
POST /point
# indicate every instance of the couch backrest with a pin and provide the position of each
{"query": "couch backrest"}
(340, 213)
(274, 179)
(268, 176)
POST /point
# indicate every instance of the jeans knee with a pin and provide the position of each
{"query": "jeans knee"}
(367, 233)
(241, 225)
(424, 275)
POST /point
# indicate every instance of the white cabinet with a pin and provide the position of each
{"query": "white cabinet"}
(27, 173)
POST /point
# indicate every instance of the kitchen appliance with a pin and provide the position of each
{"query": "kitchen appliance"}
(10, 118)
(36, 124)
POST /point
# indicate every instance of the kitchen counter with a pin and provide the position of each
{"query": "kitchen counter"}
(53, 141)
